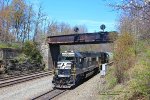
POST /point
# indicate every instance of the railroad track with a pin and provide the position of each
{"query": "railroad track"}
(20, 75)
(23, 79)
(50, 94)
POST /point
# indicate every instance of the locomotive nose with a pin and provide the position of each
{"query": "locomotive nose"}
(64, 65)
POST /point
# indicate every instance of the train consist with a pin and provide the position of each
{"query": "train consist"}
(73, 67)
(10, 64)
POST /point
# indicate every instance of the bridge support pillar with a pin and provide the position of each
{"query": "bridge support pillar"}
(53, 56)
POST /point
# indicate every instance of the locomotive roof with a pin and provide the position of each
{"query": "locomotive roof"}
(90, 54)
(79, 54)
(87, 53)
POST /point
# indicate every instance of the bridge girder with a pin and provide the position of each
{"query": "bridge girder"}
(85, 38)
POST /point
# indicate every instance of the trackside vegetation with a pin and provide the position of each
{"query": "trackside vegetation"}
(30, 49)
(129, 77)
(9, 45)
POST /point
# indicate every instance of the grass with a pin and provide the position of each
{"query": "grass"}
(136, 85)
(8, 45)
(110, 78)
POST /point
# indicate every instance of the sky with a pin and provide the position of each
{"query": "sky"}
(91, 13)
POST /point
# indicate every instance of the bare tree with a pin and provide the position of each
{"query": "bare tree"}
(41, 17)
(136, 16)
(5, 21)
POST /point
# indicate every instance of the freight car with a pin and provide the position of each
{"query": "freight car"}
(73, 67)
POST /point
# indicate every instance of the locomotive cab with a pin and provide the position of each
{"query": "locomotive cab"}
(64, 70)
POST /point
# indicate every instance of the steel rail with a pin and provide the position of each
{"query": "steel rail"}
(20, 75)
(23, 79)
(50, 94)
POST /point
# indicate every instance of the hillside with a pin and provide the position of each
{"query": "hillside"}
(129, 77)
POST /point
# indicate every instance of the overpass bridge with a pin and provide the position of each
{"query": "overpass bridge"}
(84, 38)
(76, 39)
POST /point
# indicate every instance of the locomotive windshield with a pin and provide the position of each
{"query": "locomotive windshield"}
(66, 58)
(64, 72)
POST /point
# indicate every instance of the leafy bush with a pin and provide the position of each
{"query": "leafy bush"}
(136, 85)
(140, 75)
(124, 55)
(21, 58)
(30, 49)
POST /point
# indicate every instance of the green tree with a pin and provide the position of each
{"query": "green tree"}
(30, 49)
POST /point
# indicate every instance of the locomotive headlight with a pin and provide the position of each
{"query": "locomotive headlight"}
(56, 71)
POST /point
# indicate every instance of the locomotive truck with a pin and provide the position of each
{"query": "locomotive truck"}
(72, 67)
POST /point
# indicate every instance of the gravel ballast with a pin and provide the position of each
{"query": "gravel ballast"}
(27, 90)
(86, 91)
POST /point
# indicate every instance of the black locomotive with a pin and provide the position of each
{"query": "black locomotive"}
(73, 67)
